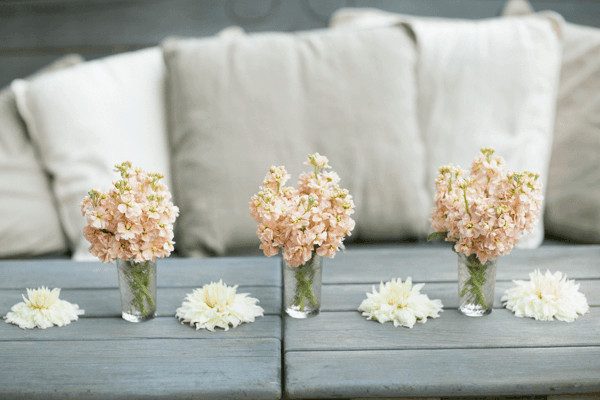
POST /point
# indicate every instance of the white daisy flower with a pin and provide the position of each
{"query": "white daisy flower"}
(42, 309)
(545, 297)
(218, 305)
(401, 303)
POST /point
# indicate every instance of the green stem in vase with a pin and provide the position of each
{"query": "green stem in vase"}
(477, 279)
(139, 279)
(304, 280)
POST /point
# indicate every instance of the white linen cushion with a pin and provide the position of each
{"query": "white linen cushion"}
(87, 119)
(29, 223)
(241, 103)
(572, 200)
(487, 83)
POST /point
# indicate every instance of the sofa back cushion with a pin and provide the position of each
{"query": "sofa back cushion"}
(29, 223)
(88, 118)
(572, 201)
(484, 83)
(241, 103)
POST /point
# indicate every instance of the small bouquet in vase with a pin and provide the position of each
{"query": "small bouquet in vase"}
(484, 213)
(306, 222)
(132, 224)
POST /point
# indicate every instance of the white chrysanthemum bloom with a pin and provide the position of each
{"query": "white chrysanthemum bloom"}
(218, 305)
(401, 303)
(546, 296)
(42, 308)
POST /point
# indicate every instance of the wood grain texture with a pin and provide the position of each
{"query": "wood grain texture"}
(101, 356)
(34, 32)
(438, 264)
(92, 329)
(172, 272)
(103, 25)
(339, 354)
(22, 65)
(586, 396)
(98, 23)
(348, 297)
(349, 331)
(463, 372)
(129, 369)
(107, 302)
(577, 11)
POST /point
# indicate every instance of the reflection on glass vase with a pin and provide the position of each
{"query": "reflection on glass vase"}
(302, 288)
(476, 284)
(137, 284)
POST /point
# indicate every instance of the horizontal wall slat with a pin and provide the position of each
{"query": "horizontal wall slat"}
(68, 23)
(586, 12)
(21, 66)
(34, 32)
(34, 25)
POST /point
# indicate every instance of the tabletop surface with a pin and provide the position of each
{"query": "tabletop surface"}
(101, 356)
(338, 354)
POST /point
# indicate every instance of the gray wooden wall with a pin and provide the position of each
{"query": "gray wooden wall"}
(35, 32)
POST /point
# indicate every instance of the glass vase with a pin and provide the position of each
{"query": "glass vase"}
(302, 288)
(137, 284)
(476, 284)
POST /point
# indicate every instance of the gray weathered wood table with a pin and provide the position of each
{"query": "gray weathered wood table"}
(103, 357)
(339, 354)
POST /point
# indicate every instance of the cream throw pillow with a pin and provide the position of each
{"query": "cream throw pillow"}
(241, 103)
(487, 83)
(92, 116)
(29, 223)
(572, 201)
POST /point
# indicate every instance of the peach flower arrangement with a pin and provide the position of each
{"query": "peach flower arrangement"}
(133, 221)
(485, 213)
(313, 217)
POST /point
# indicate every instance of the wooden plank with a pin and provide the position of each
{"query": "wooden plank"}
(577, 11)
(463, 372)
(348, 297)
(439, 264)
(582, 12)
(464, 9)
(98, 23)
(22, 65)
(586, 396)
(500, 329)
(107, 302)
(172, 272)
(38, 25)
(33, 33)
(87, 329)
(129, 369)
(354, 266)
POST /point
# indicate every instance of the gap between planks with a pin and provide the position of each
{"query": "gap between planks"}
(386, 349)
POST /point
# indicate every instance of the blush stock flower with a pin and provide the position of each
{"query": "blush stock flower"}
(134, 220)
(485, 213)
(314, 216)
